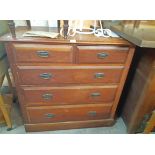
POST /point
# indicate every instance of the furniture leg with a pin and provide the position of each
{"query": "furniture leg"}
(150, 124)
(5, 113)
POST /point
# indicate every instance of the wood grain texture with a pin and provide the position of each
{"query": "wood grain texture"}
(67, 113)
(36, 53)
(64, 95)
(68, 125)
(78, 74)
(80, 39)
(102, 54)
(140, 100)
(70, 81)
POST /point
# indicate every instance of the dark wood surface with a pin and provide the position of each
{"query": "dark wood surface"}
(142, 35)
(139, 93)
(66, 76)
(140, 100)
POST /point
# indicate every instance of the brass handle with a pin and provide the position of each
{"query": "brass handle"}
(92, 113)
(50, 115)
(95, 94)
(47, 96)
(99, 75)
(46, 75)
(102, 55)
(43, 54)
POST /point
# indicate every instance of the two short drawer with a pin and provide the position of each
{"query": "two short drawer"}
(68, 95)
(32, 53)
(51, 114)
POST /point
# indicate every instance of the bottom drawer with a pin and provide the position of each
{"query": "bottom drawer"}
(50, 114)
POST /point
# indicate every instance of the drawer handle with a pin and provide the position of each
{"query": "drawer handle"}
(46, 75)
(47, 96)
(95, 94)
(102, 55)
(99, 75)
(43, 54)
(92, 113)
(50, 115)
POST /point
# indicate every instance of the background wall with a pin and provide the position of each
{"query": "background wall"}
(3, 29)
(49, 23)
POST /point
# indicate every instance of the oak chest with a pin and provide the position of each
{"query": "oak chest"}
(63, 85)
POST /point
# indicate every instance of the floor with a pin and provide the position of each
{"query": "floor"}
(18, 127)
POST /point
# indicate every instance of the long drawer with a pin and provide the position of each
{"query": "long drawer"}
(30, 75)
(43, 53)
(102, 54)
(49, 114)
(41, 96)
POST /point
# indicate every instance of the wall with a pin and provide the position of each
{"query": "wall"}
(3, 29)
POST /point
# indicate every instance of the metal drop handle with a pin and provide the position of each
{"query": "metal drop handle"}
(102, 55)
(99, 75)
(50, 115)
(47, 96)
(46, 76)
(43, 54)
(92, 113)
(95, 94)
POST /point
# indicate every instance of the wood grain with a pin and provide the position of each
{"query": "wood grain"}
(67, 113)
(54, 53)
(34, 96)
(93, 54)
(71, 81)
(77, 74)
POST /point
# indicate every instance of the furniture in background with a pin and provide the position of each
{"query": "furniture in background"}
(150, 124)
(68, 83)
(5, 93)
(140, 98)
(11, 25)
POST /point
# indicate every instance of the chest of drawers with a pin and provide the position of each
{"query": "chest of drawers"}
(63, 85)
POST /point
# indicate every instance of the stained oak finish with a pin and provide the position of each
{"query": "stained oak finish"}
(68, 125)
(66, 74)
(67, 113)
(43, 53)
(68, 86)
(35, 96)
(102, 54)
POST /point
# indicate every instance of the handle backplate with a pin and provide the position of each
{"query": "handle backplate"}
(43, 54)
(99, 75)
(102, 55)
(46, 76)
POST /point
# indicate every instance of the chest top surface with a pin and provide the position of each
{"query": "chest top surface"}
(77, 39)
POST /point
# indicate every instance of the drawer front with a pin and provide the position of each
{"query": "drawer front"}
(35, 96)
(78, 75)
(102, 54)
(43, 53)
(67, 113)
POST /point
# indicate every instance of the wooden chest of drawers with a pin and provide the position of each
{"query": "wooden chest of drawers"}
(63, 85)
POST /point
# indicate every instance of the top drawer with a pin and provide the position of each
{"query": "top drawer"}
(43, 53)
(102, 54)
